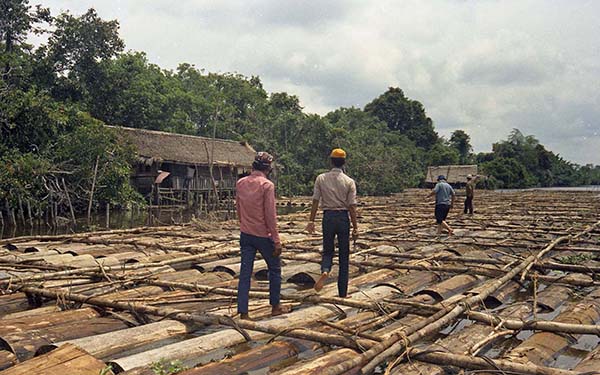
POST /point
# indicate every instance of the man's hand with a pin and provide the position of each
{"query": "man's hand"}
(354, 234)
(310, 228)
(277, 249)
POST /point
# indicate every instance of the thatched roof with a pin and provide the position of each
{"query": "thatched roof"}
(187, 149)
(453, 173)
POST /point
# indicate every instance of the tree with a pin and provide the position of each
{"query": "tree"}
(443, 154)
(17, 20)
(461, 141)
(76, 48)
(405, 116)
(509, 173)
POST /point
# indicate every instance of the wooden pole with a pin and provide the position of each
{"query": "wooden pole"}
(89, 208)
(107, 215)
(477, 363)
(68, 196)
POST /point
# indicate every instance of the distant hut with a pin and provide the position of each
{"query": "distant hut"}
(176, 167)
(455, 174)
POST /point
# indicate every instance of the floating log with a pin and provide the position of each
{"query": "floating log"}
(251, 360)
(22, 324)
(591, 363)
(109, 344)
(395, 344)
(316, 366)
(40, 311)
(25, 343)
(543, 346)
(450, 287)
(7, 359)
(477, 363)
(67, 359)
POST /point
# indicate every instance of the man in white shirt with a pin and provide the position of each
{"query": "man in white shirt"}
(336, 192)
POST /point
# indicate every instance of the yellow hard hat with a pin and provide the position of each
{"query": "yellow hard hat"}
(338, 153)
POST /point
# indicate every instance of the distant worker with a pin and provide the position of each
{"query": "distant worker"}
(444, 201)
(336, 192)
(470, 190)
(255, 202)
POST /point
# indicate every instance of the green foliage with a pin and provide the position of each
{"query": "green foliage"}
(404, 115)
(165, 367)
(91, 142)
(461, 141)
(576, 259)
(443, 154)
(508, 173)
(30, 120)
(55, 99)
(107, 370)
(382, 161)
(23, 176)
(521, 161)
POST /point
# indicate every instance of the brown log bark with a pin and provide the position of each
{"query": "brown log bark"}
(67, 359)
(109, 344)
(251, 360)
(24, 344)
(7, 359)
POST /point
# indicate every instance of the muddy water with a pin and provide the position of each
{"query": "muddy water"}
(124, 220)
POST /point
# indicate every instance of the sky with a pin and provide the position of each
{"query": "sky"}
(483, 66)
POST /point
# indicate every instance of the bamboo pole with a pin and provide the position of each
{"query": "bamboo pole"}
(477, 363)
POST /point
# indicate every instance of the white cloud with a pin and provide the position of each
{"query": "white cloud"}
(486, 66)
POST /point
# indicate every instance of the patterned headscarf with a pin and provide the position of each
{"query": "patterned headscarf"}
(263, 158)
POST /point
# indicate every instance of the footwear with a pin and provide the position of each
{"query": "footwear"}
(280, 310)
(319, 284)
(244, 316)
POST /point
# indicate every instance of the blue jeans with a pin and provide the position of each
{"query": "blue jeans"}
(336, 223)
(248, 245)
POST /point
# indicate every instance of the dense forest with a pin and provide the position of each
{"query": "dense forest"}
(55, 97)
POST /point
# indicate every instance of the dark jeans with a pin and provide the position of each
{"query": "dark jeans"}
(441, 212)
(336, 223)
(248, 245)
(469, 205)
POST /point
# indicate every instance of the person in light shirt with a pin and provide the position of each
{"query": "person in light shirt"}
(444, 201)
(336, 193)
(255, 203)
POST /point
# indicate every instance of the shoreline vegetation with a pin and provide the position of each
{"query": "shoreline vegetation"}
(59, 160)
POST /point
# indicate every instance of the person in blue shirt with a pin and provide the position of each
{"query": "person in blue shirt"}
(444, 201)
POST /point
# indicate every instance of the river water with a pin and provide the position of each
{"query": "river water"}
(123, 220)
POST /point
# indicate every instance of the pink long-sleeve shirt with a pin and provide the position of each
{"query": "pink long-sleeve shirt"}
(255, 201)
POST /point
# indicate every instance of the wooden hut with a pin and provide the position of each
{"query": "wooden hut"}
(176, 167)
(455, 174)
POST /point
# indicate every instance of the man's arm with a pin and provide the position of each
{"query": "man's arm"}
(310, 227)
(354, 222)
(271, 217)
(352, 203)
(237, 204)
(453, 198)
(433, 191)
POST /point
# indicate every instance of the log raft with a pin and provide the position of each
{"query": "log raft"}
(512, 290)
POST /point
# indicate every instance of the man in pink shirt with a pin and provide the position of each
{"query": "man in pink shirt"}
(255, 201)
